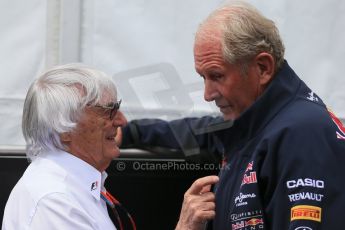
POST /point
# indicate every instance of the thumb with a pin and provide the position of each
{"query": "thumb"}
(118, 137)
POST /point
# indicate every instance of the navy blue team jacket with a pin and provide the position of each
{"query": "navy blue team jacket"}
(283, 158)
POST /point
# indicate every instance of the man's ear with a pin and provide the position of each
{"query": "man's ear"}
(265, 66)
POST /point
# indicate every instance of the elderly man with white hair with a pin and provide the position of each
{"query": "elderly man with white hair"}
(70, 119)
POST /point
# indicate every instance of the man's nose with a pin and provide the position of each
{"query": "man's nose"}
(210, 91)
(119, 119)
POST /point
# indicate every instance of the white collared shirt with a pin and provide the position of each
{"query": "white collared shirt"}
(58, 191)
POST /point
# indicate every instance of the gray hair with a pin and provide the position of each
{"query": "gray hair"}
(55, 101)
(245, 32)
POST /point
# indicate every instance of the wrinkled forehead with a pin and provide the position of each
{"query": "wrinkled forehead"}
(208, 32)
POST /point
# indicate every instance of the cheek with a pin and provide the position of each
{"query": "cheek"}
(228, 91)
(88, 127)
(237, 95)
(91, 131)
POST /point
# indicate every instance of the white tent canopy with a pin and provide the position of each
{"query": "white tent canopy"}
(146, 45)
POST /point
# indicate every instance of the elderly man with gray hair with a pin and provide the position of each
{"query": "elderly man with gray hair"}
(70, 119)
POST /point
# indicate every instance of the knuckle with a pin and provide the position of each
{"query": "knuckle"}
(211, 196)
(198, 183)
(194, 207)
(198, 216)
(212, 206)
(188, 199)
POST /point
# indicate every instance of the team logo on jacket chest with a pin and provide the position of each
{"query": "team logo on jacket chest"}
(249, 176)
(242, 198)
(305, 182)
(252, 224)
(305, 196)
(306, 212)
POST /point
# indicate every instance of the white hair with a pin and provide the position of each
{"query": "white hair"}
(55, 100)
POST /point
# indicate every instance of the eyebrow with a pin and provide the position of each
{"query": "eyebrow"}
(110, 104)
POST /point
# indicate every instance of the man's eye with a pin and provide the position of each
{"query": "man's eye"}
(216, 76)
(107, 112)
(103, 111)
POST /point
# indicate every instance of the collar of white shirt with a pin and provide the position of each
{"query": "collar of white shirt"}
(89, 177)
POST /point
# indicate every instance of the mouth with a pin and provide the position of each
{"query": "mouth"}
(225, 109)
(223, 106)
(110, 137)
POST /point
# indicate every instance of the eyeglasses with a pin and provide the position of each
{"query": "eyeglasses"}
(112, 107)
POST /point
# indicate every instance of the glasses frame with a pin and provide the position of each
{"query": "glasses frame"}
(113, 109)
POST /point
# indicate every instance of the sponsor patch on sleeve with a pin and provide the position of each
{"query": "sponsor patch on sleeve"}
(306, 212)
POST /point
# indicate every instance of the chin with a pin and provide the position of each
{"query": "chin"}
(114, 154)
(228, 117)
(117, 152)
(111, 151)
